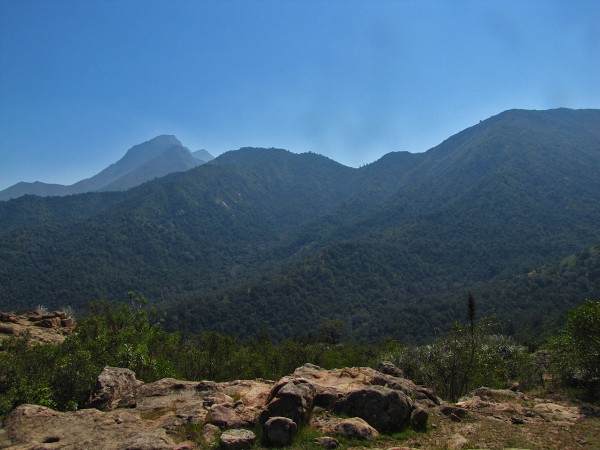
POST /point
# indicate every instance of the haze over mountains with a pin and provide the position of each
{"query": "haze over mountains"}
(143, 162)
(267, 240)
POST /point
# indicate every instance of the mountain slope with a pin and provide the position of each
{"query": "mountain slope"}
(143, 162)
(185, 231)
(173, 159)
(520, 192)
(203, 155)
(266, 239)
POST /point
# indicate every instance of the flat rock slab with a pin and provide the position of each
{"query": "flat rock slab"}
(32, 426)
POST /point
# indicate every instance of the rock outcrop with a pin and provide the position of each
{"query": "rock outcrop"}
(32, 426)
(40, 327)
(385, 409)
(292, 398)
(350, 403)
(115, 388)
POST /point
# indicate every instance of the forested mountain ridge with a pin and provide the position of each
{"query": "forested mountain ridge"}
(261, 234)
(143, 162)
(183, 231)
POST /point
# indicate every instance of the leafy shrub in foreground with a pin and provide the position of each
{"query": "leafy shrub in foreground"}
(575, 353)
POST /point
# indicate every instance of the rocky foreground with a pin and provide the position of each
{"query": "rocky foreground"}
(341, 407)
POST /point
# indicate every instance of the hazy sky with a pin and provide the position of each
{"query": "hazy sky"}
(83, 81)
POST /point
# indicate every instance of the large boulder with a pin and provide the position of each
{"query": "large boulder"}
(387, 410)
(420, 393)
(279, 431)
(418, 419)
(388, 368)
(291, 398)
(226, 415)
(354, 428)
(115, 388)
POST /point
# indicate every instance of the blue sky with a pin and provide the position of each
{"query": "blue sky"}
(83, 81)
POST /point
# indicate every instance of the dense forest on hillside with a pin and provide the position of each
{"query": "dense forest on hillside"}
(267, 240)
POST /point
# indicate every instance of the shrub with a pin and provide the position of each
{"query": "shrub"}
(575, 353)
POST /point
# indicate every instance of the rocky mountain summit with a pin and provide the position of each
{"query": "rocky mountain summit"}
(311, 408)
(154, 158)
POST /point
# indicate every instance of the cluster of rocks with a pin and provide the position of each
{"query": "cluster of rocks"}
(357, 403)
(42, 328)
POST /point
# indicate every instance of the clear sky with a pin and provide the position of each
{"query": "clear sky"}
(81, 81)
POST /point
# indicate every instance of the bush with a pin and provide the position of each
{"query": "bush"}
(463, 360)
(575, 353)
(130, 336)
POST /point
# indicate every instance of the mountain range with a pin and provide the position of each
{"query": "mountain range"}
(143, 162)
(268, 241)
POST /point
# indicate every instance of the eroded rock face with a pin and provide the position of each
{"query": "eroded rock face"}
(158, 414)
(291, 398)
(226, 415)
(166, 410)
(115, 388)
(330, 384)
(49, 328)
(32, 426)
(405, 385)
(388, 368)
(387, 410)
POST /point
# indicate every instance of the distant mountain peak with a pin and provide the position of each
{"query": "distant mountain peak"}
(203, 155)
(151, 159)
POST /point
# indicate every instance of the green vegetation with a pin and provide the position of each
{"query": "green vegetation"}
(261, 235)
(132, 336)
(575, 353)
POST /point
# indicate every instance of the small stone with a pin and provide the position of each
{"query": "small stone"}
(454, 417)
(119, 420)
(186, 445)
(327, 442)
(517, 420)
(450, 409)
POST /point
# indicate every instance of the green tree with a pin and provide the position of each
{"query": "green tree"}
(332, 330)
(575, 352)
